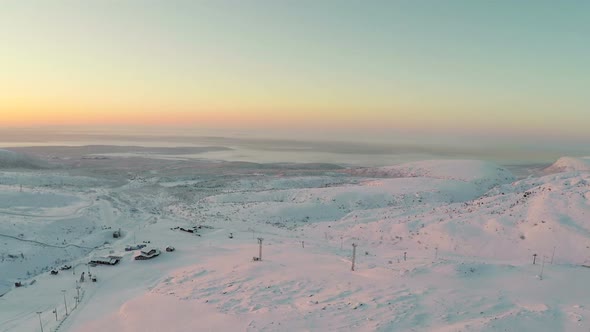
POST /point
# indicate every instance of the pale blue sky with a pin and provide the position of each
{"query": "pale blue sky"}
(465, 67)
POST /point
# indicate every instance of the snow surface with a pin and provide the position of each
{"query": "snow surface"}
(570, 164)
(462, 170)
(11, 159)
(442, 246)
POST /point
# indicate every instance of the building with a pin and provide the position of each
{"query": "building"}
(106, 260)
(147, 253)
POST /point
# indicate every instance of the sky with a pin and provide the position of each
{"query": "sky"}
(463, 68)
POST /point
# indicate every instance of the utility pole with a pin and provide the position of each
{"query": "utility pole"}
(55, 312)
(341, 241)
(534, 258)
(542, 268)
(260, 248)
(65, 303)
(553, 255)
(405, 255)
(353, 255)
(40, 323)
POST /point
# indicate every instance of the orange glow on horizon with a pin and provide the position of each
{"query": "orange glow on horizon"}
(323, 120)
(224, 118)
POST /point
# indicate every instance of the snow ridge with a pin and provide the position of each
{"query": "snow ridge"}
(569, 164)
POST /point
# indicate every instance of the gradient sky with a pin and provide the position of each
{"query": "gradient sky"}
(467, 67)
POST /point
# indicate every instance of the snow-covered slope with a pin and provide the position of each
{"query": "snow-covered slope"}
(481, 173)
(11, 159)
(423, 183)
(441, 246)
(569, 164)
(464, 170)
(513, 220)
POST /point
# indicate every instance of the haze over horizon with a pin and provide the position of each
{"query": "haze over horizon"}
(459, 70)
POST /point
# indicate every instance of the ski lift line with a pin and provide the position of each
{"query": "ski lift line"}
(75, 212)
(49, 245)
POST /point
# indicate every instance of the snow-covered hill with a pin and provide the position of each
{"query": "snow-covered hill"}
(569, 164)
(441, 246)
(12, 160)
(463, 170)
(481, 173)
(424, 183)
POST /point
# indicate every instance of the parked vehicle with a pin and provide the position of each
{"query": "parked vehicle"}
(170, 248)
(65, 267)
(54, 272)
(135, 247)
